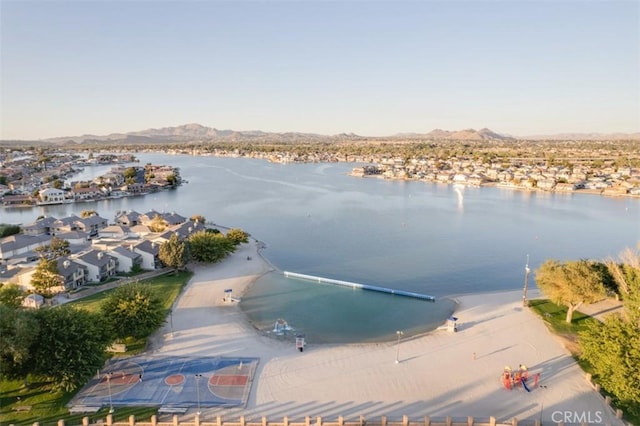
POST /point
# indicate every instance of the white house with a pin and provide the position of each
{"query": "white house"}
(52, 195)
(99, 265)
(148, 250)
(127, 259)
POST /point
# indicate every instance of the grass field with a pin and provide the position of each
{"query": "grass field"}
(47, 407)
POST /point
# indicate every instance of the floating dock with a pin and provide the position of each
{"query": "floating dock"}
(360, 286)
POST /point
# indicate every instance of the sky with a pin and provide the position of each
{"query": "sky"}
(374, 68)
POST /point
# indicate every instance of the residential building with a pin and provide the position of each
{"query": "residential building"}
(99, 265)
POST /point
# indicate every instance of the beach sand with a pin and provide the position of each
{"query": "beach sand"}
(438, 374)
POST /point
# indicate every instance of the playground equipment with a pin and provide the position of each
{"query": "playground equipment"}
(451, 325)
(506, 377)
(512, 378)
(281, 327)
(228, 298)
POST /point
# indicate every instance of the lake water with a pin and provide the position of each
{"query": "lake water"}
(421, 237)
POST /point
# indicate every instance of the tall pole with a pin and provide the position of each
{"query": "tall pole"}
(398, 333)
(109, 386)
(525, 303)
(198, 377)
(171, 320)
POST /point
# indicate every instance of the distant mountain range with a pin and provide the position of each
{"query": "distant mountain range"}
(197, 133)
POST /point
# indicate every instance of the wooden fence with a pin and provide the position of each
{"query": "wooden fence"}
(308, 421)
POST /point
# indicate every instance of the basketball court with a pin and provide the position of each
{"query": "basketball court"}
(178, 382)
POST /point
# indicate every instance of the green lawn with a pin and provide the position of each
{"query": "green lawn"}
(167, 287)
(554, 315)
(48, 407)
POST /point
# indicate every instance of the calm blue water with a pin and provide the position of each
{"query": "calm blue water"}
(427, 238)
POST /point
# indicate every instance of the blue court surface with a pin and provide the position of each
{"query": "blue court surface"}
(170, 382)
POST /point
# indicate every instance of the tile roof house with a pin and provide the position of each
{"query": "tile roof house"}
(130, 218)
(92, 224)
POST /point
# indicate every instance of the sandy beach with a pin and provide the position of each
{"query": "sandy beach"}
(439, 374)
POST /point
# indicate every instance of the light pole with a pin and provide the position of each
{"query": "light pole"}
(171, 320)
(109, 387)
(525, 303)
(399, 333)
(198, 377)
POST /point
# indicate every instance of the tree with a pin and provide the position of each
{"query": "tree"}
(612, 349)
(88, 213)
(133, 310)
(209, 247)
(8, 230)
(11, 295)
(46, 278)
(198, 218)
(626, 274)
(174, 252)
(157, 224)
(571, 284)
(237, 236)
(130, 173)
(18, 332)
(55, 249)
(70, 347)
(172, 179)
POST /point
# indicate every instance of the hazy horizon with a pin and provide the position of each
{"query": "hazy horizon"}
(399, 134)
(373, 68)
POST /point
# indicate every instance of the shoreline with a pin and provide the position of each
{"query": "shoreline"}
(438, 374)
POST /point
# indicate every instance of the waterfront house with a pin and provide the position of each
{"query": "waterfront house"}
(92, 224)
(64, 224)
(173, 218)
(547, 184)
(17, 200)
(133, 188)
(130, 218)
(86, 193)
(52, 195)
(41, 226)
